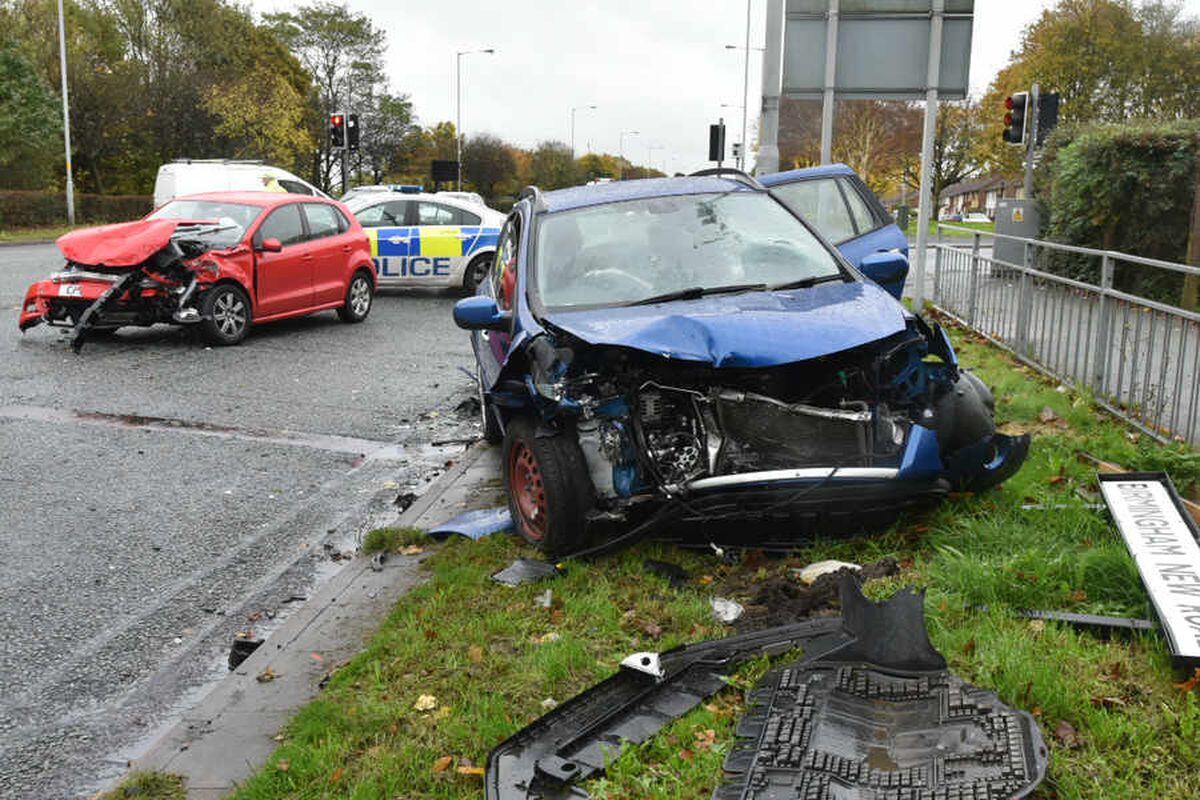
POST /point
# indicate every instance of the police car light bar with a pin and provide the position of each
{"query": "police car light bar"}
(1162, 538)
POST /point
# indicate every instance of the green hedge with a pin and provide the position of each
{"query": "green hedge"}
(1125, 187)
(20, 209)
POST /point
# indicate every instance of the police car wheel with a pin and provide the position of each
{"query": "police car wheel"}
(225, 315)
(359, 296)
(549, 489)
(476, 272)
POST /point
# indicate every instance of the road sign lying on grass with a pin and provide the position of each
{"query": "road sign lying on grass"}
(1163, 541)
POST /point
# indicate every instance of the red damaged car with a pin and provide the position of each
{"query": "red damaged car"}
(220, 261)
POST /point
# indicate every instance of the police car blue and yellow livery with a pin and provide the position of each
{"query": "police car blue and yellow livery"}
(455, 246)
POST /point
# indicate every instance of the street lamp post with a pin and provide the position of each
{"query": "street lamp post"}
(573, 110)
(458, 106)
(621, 152)
(62, 59)
(745, 83)
(650, 154)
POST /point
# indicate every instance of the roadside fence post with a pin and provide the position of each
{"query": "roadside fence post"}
(1103, 327)
(973, 289)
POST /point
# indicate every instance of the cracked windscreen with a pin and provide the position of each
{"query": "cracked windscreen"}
(665, 248)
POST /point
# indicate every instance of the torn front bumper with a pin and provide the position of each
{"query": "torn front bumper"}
(59, 299)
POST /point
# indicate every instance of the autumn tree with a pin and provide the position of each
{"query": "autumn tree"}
(551, 166)
(487, 161)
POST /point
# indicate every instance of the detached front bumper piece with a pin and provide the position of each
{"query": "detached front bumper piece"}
(870, 711)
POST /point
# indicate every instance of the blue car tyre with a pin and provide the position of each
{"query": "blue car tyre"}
(549, 490)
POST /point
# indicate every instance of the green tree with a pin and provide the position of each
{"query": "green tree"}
(30, 129)
(343, 51)
(387, 129)
(487, 162)
(551, 166)
(955, 157)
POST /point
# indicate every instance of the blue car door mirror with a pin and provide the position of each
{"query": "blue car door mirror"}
(888, 269)
(481, 313)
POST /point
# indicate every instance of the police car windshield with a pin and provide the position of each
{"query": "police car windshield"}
(638, 250)
(234, 218)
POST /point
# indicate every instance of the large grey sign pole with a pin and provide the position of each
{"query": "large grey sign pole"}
(772, 82)
(62, 60)
(926, 199)
(831, 47)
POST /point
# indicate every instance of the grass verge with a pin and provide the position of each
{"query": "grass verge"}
(42, 234)
(147, 786)
(949, 233)
(461, 663)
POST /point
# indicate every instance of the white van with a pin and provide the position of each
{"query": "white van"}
(195, 175)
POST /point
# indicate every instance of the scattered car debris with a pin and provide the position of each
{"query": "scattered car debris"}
(1162, 538)
(404, 500)
(545, 599)
(581, 735)
(809, 574)
(880, 717)
(240, 650)
(1109, 468)
(377, 561)
(1097, 623)
(526, 570)
(266, 676)
(785, 598)
(726, 611)
(675, 575)
(475, 524)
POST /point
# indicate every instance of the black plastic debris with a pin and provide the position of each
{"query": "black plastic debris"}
(526, 570)
(240, 650)
(674, 574)
(578, 738)
(880, 718)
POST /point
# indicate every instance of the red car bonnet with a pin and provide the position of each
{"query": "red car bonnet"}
(126, 244)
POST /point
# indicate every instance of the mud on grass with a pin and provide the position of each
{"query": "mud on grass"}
(490, 656)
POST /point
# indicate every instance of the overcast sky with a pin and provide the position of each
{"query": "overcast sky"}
(658, 67)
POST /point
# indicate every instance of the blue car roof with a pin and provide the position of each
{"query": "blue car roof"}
(824, 171)
(617, 191)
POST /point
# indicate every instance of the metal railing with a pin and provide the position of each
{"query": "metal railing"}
(1140, 358)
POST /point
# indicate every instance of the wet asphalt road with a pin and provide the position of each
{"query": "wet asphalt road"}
(158, 496)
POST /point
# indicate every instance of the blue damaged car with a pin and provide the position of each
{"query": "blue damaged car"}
(690, 355)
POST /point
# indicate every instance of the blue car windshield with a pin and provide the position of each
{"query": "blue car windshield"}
(234, 218)
(639, 250)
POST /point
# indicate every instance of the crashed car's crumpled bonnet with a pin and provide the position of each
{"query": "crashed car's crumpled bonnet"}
(758, 329)
(125, 244)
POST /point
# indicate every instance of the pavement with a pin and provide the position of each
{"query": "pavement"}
(227, 736)
(159, 496)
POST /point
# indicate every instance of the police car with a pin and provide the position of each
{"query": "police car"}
(427, 239)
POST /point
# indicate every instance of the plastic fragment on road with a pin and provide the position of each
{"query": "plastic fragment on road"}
(240, 650)
(808, 575)
(726, 611)
(526, 570)
(880, 718)
(475, 525)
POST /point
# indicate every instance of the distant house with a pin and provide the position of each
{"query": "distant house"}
(978, 194)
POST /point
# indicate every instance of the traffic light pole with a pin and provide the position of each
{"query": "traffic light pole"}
(1031, 143)
(925, 198)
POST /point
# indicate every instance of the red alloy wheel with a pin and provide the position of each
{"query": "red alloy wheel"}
(528, 489)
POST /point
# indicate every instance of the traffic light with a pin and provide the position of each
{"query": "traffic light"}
(1047, 115)
(337, 130)
(352, 131)
(1015, 108)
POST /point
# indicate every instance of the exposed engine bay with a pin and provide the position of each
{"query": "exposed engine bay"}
(660, 425)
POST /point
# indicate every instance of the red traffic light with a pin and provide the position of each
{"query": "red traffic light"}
(1008, 103)
(1008, 120)
(336, 119)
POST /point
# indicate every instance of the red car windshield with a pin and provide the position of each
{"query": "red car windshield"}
(233, 218)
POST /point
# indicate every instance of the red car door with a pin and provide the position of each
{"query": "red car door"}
(332, 248)
(284, 280)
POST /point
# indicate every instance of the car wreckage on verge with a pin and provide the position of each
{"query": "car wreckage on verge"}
(219, 261)
(689, 350)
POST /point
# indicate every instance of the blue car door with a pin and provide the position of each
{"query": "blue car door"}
(841, 207)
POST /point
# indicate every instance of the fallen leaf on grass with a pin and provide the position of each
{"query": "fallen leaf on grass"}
(969, 647)
(1047, 415)
(283, 765)
(466, 770)
(1067, 735)
(1037, 625)
(337, 774)
(475, 653)
(546, 638)
(1190, 683)
(1109, 702)
(704, 580)
(706, 739)
(686, 755)
(442, 764)
(412, 550)
(1077, 596)
(651, 629)
(266, 676)
(425, 702)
